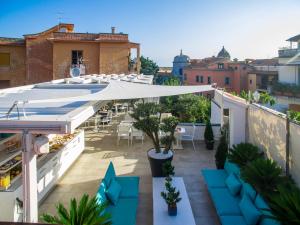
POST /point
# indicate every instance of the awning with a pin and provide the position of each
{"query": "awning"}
(117, 90)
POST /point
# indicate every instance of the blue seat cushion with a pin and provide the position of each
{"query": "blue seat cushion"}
(249, 211)
(124, 212)
(231, 167)
(110, 174)
(232, 220)
(130, 186)
(113, 191)
(100, 195)
(249, 190)
(264, 208)
(215, 178)
(233, 183)
(225, 202)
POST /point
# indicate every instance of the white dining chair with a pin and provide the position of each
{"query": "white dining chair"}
(189, 136)
(138, 134)
(123, 132)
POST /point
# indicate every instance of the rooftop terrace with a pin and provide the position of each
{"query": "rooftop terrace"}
(101, 148)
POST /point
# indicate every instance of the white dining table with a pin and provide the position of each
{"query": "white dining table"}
(160, 208)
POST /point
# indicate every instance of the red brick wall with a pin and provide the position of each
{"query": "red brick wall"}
(39, 53)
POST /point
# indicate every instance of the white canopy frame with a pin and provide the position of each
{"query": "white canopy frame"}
(115, 90)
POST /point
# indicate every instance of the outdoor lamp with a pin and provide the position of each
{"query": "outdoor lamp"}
(256, 96)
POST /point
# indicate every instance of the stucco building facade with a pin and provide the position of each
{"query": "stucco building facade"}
(51, 54)
(233, 75)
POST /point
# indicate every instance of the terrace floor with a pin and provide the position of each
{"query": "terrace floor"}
(101, 148)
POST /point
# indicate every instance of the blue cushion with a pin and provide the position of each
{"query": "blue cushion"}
(232, 220)
(264, 208)
(233, 184)
(101, 196)
(225, 202)
(250, 213)
(130, 186)
(214, 178)
(110, 173)
(113, 192)
(124, 212)
(232, 168)
(249, 190)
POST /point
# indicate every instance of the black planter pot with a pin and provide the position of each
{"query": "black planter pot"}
(209, 145)
(172, 211)
(156, 163)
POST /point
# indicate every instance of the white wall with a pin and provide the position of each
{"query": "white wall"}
(215, 114)
(237, 115)
(287, 74)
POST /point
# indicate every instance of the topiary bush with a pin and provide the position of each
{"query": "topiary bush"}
(243, 153)
(209, 136)
(222, 151)
(264, 175)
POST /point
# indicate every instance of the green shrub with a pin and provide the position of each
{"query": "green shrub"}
(87, 212)
(264, 175)
(243, 153)
(286, 205)
(293, 115)
(222, 151)
(189, 108)
(208, 133)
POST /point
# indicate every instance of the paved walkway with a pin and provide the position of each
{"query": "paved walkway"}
(101, 148)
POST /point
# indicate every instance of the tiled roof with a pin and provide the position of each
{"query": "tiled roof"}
(11, 41)
(294, 39)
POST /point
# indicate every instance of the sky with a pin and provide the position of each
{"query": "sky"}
(247, 28)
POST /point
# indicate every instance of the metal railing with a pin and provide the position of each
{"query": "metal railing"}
(288, 52)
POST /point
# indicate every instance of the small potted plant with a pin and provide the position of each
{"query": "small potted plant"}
(171, 196)
(209, 136)
(147, 116)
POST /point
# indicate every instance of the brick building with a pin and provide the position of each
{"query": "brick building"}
(52, 53)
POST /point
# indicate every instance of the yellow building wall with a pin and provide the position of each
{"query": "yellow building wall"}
(62, 57)
(113, 58)
(16, 71)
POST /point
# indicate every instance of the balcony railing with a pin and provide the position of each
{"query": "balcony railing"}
(288, 52)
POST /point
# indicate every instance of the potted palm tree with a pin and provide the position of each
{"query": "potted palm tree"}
(161, 133)
(86, 212)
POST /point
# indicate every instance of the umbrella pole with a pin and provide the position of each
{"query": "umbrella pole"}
(29, 176)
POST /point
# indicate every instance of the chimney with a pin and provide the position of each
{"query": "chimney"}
(113, 30)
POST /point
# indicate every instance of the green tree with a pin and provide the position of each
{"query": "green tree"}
(148, 66)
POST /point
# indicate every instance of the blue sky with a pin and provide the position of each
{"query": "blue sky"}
(247, 29)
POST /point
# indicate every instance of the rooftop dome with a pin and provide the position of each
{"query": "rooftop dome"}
(223, 53)
(181, 58)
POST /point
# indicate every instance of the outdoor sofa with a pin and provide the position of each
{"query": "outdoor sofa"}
(236, 202)
(123, 204)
